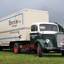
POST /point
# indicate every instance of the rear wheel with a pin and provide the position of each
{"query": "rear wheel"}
(39, 50)
(16, 48)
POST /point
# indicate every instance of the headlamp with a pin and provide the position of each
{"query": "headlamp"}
(47, 40)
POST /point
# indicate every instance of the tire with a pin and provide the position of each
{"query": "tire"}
(16, 48)
(39, 50)
(62, 53)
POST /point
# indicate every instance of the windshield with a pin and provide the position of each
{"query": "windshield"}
(48, 27)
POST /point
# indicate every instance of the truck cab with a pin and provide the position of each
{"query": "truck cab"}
(45, 28)
(45, 37)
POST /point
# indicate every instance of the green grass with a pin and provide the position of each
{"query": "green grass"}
(7, 57)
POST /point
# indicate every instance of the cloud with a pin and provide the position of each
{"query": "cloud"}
(55, 7)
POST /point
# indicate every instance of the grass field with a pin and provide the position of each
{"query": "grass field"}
(7, 57)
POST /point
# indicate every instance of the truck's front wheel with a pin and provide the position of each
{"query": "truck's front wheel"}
(16, 48)
(39, 50)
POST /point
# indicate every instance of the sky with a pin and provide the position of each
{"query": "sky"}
(54, 7)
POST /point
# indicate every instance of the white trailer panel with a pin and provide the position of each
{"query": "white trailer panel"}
(16, 27)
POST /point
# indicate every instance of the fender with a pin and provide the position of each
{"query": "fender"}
(41, 42)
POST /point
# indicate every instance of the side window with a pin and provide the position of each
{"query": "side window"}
(34, 28)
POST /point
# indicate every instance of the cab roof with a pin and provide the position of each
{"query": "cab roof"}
(38, 23)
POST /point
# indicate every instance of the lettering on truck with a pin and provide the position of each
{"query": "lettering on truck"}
(14, 23)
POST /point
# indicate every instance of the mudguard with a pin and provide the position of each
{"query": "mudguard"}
(41, 42)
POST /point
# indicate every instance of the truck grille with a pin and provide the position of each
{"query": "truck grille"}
(60, 39)
(51, 37)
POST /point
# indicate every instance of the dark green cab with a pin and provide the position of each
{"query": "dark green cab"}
(47, 36)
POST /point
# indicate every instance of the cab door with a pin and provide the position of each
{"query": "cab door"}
(33, 33)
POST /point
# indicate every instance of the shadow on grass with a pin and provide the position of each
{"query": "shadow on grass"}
(6, 50)
(46, 54)
(53, 54)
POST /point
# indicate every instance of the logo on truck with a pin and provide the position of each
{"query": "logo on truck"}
(14, 23)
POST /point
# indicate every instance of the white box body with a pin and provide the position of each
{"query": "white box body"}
(16, 26)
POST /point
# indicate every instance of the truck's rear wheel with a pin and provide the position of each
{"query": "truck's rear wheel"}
(16, 48)
(39, 50)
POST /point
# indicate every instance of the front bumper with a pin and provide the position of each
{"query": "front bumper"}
(54, 49)
(62, 48)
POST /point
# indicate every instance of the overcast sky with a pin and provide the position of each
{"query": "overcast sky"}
(54, 7)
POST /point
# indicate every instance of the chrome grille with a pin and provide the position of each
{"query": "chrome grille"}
(60, 39)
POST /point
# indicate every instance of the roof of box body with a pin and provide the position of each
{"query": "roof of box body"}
(17, 12)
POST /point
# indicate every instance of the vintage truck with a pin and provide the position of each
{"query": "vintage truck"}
(15, 28)
(30, 30)
(47, 37)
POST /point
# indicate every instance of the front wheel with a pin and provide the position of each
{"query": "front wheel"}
(16, 48)
(39, 50)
